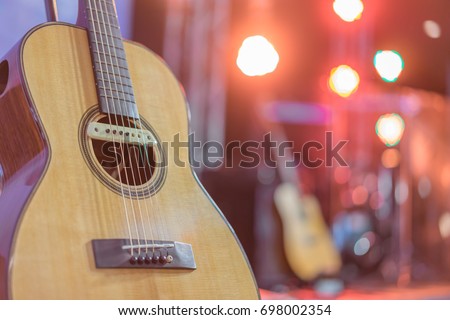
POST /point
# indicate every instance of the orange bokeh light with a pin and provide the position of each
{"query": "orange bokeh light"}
(390, 158)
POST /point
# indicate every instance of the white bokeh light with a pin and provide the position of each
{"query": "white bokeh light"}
(257, 56)
(348, 10)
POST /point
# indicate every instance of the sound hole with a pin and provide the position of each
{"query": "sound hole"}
(4, 75)
(130, 164)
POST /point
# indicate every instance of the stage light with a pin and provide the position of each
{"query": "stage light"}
(348, 10)
(257, 56)
(389, 64)
(343, 80)
(390, 128)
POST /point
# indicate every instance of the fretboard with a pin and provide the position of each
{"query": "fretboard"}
(114, 88)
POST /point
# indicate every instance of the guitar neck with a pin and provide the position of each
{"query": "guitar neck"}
(286, 171)
(114, 87)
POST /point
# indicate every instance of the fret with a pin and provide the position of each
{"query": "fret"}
(117, 58)
(109, 13)
(112, 73)
(106, 24)
(102, 44)
(101, 12)
(109, 3)
(107, 68)
(116, 79)
(102, 39)
(117, 82)
(102, 22)
(124, 109)
(111, 69)
(111, 103)
(115, 72)
(107, 85)
(109, 9)
(116, 98)
(106, 35)
(109, 53)
(119, 92)
(116, 94)
(114, 83)
(115, 101)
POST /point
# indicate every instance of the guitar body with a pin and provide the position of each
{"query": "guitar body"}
(307, 242)
(52, 206)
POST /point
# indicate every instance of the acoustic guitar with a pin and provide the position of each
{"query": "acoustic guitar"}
(95, 201)
(308, 246)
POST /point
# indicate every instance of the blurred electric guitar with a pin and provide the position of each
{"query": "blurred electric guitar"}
(308, 245)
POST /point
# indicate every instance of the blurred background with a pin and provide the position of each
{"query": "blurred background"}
(374, 73)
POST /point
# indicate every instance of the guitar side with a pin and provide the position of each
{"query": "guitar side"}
(51, 255)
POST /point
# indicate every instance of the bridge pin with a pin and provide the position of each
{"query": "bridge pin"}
(133, 260)
(155, 259)
(140, 260)
(148, 260)
(169, 258)
(162, 259)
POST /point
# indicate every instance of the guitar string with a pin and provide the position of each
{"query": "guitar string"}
(109, 119)
(117, 123)
(145, 146)
(154, 204)
(140, 139)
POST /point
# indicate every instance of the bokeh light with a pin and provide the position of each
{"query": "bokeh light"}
(444, 225)
(359, 195)
(432, 29)
(362, 246)
(376, 200)
(401, 192)
(424, 187)
(342, 174)
(390, 128)
(390, 158)
(389, 65)
(445, 176)
(257, 56)
(343, 80)
(348, 10)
